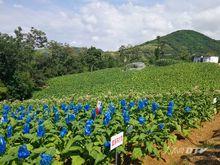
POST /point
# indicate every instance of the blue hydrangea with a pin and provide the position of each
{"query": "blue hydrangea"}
(9, 131)
(161, 126)
(26, 128)
(63, 132)
(107, 144)
(155, 106)
(40, 131)
(141, 120)
(46, 159)
(140, 105)
(187, 109)
(23, 152)
(2, 145)
(123, 102)
(87, 107)
(131, 104)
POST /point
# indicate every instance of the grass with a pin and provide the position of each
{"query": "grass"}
(179, 77)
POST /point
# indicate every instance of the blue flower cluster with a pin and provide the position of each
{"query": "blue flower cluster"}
(155, 106)
(46, 159)
(141, 120)
(187, 109)
(63, 132)
(107, 118)
(161, 126)
(170, 109)
(88, 127)
(41, 130)
(126, 117)
(70, 118)
(2, 145)
(23, 152)
(9, 131)
(107, 144)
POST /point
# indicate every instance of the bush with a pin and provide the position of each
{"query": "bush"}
(21, 86)
(166, 62)
(3, 91)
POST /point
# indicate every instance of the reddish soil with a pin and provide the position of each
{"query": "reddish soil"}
(207, 136)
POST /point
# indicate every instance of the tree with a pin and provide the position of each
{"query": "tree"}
(93, 58)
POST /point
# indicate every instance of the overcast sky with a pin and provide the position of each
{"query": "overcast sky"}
(108, 24)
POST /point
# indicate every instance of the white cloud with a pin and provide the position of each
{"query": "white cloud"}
(108, 26)
(17, 6)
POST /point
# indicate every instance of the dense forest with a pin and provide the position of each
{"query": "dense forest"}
(28, 59)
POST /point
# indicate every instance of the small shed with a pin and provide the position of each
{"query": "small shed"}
(212, 59)
(136, 66)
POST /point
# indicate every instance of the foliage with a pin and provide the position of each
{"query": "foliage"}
(87, 136)
(166, 62)
(179, 77)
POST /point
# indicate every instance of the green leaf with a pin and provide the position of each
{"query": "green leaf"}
(149, 146)
(77, 160)
(99, 157)
(137, 153)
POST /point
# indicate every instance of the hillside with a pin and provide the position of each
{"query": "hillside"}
(181, 42)
(179, 77)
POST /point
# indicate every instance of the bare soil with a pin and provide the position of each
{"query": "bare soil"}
(201, 148)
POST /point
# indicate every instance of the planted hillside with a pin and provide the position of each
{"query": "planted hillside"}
(179, 77)
(78, 131)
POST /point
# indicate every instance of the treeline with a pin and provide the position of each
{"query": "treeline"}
(28, 59)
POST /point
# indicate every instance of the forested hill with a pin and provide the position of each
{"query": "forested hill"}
(183, 42)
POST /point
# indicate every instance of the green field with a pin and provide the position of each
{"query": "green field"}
(179, 77)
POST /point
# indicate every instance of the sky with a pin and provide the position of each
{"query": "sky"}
(108, 24)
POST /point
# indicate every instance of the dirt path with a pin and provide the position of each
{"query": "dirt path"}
(204, 149)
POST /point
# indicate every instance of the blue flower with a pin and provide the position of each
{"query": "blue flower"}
(30, 107)
(4, 118)
(107, 118)
(21, 108)
(155, 106)
(126, 117)
(63, 132)
(93, 114)
(141, 120)
(170, 111)
(23, 152)
(111, 108)
(140, 105)
(187, 109)
(87, 107)
(89, 122)
(2, 145)
(161, 126)
(87, 130)
(26, 128)
(9, 131)
(28, 120)
(70, 118)
(107, 144)
(56, 116)
(46, 159)
(6, 109)
(64, 107)
(45, 106)
(88, 127)
(123, 102)
(40, 121)
(131, 104)
(171, 103)
(145, 102)
(40, 131)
